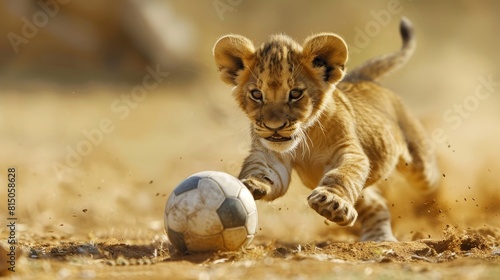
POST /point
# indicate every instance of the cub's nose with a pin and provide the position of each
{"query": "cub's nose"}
(275, 126)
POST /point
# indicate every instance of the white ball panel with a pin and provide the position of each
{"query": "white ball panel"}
(229, 184)
(252, 223)
(196, 243)
(211, 194)
(234, 237)
(189, 201)
(177, 220)
(204, 222)
(170, 202)
(247, 199)
(248, 241)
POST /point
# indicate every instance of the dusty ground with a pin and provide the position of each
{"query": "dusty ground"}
(98, 214)
(102, 218)
(472, 254)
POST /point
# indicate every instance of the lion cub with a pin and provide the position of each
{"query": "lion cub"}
(341, 134)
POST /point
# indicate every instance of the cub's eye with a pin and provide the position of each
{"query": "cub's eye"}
(295, 94)
(256, 95)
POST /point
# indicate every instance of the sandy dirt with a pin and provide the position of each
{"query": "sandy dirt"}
(462, 255)
(94, 169)
(103, 217)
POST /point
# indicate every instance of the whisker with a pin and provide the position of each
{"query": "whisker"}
(304, 143)
(321, 127)
(309, 141)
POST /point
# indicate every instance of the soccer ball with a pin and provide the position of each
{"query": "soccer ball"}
(210, 211)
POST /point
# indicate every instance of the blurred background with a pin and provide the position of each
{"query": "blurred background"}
(105, 106)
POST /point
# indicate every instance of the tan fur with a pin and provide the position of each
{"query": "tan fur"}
(340, 136)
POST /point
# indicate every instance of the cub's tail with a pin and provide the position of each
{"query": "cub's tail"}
(378, 67)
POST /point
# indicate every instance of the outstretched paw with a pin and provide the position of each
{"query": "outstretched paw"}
(332, 206)
(258, 188)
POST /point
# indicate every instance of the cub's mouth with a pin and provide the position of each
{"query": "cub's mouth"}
(279, 143)
(278, 138)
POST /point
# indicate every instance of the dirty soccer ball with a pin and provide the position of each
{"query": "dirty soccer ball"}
(210, 211)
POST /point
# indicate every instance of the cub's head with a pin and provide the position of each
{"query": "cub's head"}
(282, 87)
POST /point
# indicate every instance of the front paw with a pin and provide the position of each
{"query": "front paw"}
(332, 206)
(258, 188)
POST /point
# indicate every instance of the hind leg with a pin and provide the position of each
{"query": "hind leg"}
(374, 216)
(419, 163)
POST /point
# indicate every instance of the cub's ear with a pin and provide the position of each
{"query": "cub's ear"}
(232, 54)
(326, 53)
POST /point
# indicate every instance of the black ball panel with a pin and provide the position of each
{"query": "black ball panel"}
(190, 183)
(232, 213)
(177, 239)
